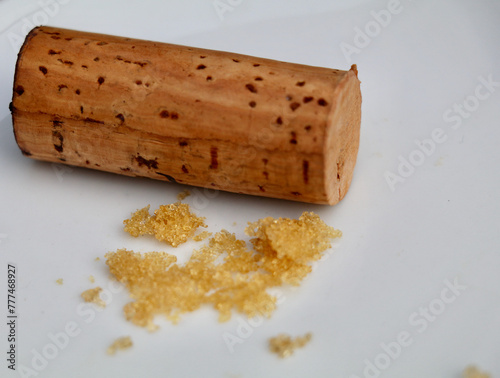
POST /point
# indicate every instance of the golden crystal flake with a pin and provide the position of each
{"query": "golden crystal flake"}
(92, 296)
(284, 346)
(182, 195)
(474, 372)
(121, 343)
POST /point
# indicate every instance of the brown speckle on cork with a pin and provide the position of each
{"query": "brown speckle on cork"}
(58, 140)
(53, 52)
(322, 102)
(307, 128)
(66, 62)
(19, 90)
(101, 43)
(214, 163)
(279, 121)
(43, 70)
(256, 65)
(296, 193)
(209, 78)
(150, 163)
(183, 143)
(138, 82)
(305, 171)
(174, 115)
(293, 139)
(252, 104)
(307, 99)
(57, 123)
(236, 61)
(62, 86)
(96, 59)
(251, 88)
(121, 118)
(258, 78)
(164, 114)
(81, 109)
(261, 188)
(266, 174)
(202, 56)
(92, 120)
(300, 83)
(55, 37)
(201, 67)
(184, 168)
(100, 80)
(294, 106)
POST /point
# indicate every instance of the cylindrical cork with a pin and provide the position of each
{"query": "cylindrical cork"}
(193, 116)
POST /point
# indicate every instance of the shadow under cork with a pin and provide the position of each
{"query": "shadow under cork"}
(8, 147)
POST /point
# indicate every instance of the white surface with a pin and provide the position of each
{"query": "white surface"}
(399, 247)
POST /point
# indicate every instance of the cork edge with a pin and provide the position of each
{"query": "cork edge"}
(12, 107)
(339, 166)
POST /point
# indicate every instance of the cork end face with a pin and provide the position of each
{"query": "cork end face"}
(18, 90)
(343, 134)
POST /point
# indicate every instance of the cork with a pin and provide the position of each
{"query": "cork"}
(188, 115)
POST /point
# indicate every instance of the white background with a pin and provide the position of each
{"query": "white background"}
(400, 249)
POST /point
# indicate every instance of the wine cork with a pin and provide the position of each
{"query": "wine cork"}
(194, 116)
